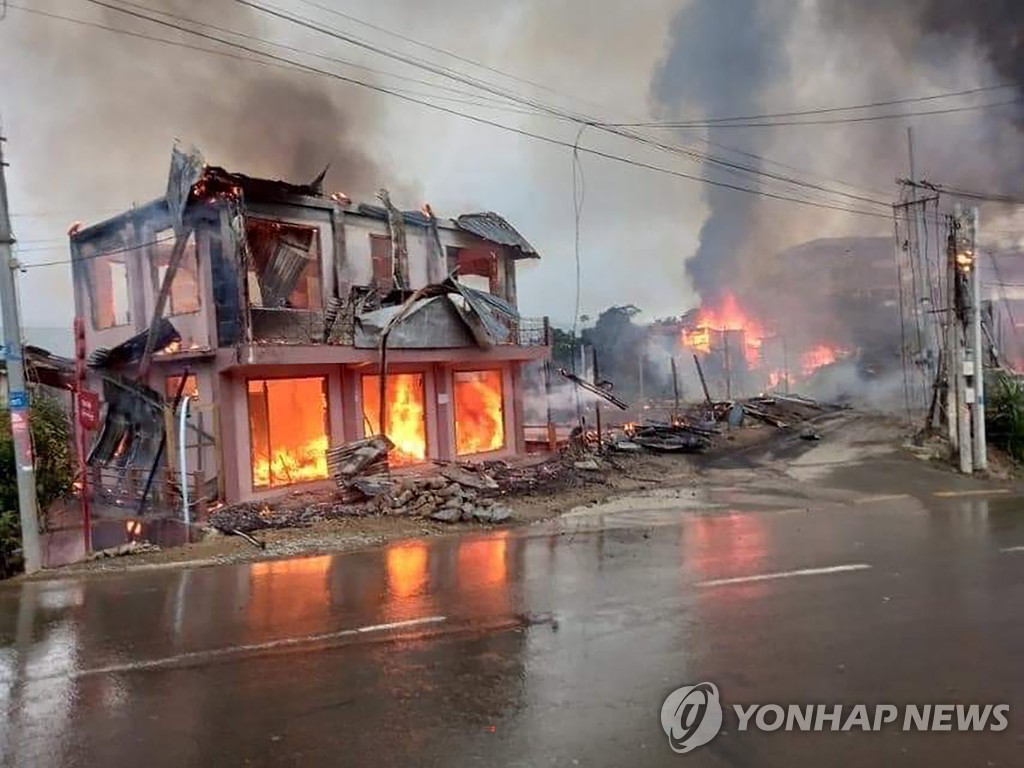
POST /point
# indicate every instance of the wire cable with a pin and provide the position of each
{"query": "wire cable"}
(484, 121)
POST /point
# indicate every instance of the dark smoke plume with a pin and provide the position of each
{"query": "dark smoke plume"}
(722, 59)
(743, 58)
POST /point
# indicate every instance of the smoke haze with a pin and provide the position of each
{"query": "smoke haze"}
(91, 117)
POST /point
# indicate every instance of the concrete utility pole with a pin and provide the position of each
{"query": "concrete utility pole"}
(977, 353)
(959, 416)
(17, 396)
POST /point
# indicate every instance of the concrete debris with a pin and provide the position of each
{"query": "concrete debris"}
(469, 478)
(447, 515)
(458, 492)
(131, 548)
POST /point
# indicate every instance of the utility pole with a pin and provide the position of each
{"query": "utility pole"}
(977, 352)
(640, 374)
(728, 367)
(17, 396)
(958, 389)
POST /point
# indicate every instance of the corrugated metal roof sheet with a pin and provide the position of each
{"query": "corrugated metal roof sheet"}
(491, 226)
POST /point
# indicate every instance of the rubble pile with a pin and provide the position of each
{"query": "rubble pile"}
(443, 492)
(454, 495)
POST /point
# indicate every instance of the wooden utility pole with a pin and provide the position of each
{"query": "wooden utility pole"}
(16, 394)
(703, 381)
(675, 390)
(597, 404)
(640, 372)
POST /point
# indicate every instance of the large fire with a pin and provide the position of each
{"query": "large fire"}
(288, 424)
(405, 416)
(726, 317)
(479, 419)
(816, 357)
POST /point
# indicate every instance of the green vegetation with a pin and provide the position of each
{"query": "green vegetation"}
(55, 471)
(1004, 414)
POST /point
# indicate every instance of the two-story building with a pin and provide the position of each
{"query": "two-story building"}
(278, 300)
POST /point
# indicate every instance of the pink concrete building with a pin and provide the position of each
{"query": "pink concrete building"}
(275, 307)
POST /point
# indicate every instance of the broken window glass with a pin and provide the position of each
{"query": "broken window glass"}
(285, 269)
(184, 295)
(288, 427)
(479, 412)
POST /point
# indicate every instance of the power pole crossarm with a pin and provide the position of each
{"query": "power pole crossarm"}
(17, 396)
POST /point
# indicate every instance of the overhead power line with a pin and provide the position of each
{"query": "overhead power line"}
(822, 110)
(541, 86)
(319, 28)
(729, 167)
(484, 121)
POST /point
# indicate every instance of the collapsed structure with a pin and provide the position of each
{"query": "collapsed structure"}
(275, 308)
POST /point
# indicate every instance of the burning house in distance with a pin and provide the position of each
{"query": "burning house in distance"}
(272, 306)
(824, 318)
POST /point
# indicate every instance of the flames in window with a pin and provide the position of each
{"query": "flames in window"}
(479, 415)
(288, 423)
(404, 416)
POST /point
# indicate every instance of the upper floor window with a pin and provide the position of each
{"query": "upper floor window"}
(478, 268)
(184, 296)
(383, 264)
(110, 289)
(285, 268)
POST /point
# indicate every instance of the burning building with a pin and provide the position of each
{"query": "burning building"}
(295, 320)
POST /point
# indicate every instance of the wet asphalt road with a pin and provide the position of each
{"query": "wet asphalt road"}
(548, 646)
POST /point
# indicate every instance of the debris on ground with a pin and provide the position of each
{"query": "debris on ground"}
(446, 492)
(454, 492)
(131, 548)
(360, 468)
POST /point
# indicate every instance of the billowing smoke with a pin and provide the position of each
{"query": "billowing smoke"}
(261, 120)
(723, 57)
(749, 58)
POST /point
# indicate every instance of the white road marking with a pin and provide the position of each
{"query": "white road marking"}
(958, 494)
(1008, 550)
(786, 574)
(234, 650)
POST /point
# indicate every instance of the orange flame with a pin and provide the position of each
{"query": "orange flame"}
(479, 420)
(305, 463)
(288, 422)
(729, 316)
(405, 418)
(816, 357)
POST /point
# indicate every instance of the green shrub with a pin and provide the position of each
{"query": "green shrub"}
(55, 471)
(1004, 414)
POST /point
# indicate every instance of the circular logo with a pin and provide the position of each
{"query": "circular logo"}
(691, 716)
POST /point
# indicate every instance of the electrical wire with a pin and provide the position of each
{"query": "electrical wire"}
(511, 129)
(795, 113)
(846, 120)
(314, 26)
(99, 254)
(485, 103)
(825, 110)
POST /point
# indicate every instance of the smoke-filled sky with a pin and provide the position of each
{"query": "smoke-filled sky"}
(91, 117)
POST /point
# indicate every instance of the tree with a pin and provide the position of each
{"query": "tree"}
(54, 465)
(618, 342)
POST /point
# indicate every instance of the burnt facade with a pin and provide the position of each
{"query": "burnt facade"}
(280, 303)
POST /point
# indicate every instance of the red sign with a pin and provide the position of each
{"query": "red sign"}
(88, 409)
